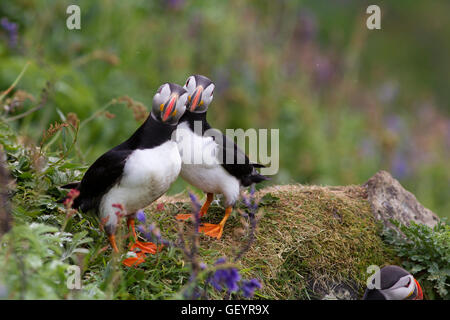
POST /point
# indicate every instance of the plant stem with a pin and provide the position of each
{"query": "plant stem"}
(7, 91)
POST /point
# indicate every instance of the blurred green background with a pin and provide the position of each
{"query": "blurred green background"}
(348, 101)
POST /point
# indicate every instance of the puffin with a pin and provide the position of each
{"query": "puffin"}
(138, 171)
(395, 284)
(213, 174)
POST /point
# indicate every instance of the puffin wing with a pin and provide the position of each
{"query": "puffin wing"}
(240, 167)
(100, 177)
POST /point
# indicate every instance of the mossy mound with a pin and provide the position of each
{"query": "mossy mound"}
(311, 241)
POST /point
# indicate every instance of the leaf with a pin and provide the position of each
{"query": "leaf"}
(268, 198)
(61, 115)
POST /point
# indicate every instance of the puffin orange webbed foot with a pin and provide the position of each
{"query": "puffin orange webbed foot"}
(212, 230)
(134, 261)
(145, 247)
(183, 217)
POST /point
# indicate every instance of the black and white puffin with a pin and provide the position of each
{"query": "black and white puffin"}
(138, 171)
(212, 175)
(395, 283)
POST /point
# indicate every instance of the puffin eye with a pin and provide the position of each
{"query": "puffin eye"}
(409, 282)
(187, 82)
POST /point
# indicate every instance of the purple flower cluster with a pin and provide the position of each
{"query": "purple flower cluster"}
(175, 4)
(152, 233)
(11, 30)
(226, 278)
(250, 202)
(249, 287)
(140, 215)
(222, 277)
(400, 166)
(196, 212)
(230, 279)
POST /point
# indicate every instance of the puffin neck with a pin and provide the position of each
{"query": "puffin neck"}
(191, 117)
(152, 133)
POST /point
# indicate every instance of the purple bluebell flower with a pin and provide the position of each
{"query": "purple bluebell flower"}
(324, 70)
(175, 4)
(246, 201)
(140, 215)
(249, 287)
(400, 167)
(252, 190)
(226, 278)
(394, 123)
(221, 260)
(195, 202)
(141, 229)
(250, 202)
(154, 231)
(12, 31)
(307, 26)
(232, 280)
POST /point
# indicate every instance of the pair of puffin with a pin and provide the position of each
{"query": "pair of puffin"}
(141, 169)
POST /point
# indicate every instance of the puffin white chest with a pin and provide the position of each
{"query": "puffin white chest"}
(147, 175)
(195, 148)
(201, 167)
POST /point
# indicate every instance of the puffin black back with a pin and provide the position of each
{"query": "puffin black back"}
(150, 134)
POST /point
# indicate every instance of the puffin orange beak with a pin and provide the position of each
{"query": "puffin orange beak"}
(196, 98)
(169, 108)
(419, 291)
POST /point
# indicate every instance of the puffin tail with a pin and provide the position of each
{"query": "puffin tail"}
(254, 177)
(258, 165)
(257, 177)
(72, 185)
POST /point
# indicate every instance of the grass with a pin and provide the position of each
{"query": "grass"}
(309, 240)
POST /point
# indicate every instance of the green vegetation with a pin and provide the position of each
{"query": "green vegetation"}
(426, 254)
(348, 101)
(305, 244)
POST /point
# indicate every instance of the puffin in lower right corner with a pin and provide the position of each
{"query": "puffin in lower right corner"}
(395, 284)
(215, 173)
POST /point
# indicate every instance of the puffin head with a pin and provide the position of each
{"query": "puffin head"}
(169, 103)
(200, 93)
(395, 284)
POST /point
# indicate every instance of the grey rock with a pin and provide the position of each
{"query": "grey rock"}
(389, 200)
